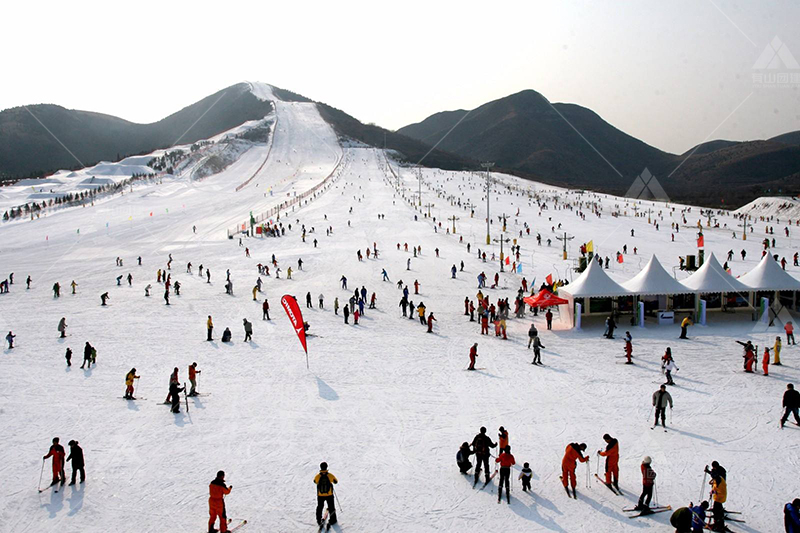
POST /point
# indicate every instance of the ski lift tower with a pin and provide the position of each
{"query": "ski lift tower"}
(487, 166)
(501, 240)
(565, 238)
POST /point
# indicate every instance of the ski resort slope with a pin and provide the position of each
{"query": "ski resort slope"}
(384, 403)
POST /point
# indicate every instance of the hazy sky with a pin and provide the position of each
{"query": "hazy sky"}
(672, 73)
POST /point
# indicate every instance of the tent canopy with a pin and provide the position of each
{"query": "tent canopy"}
(545, 298)
(594, 283)
(769, 276)
(711, 278)
(653, 279)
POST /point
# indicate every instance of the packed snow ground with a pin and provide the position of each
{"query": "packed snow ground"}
(384, 403)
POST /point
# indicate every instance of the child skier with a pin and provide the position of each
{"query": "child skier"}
(525, 475)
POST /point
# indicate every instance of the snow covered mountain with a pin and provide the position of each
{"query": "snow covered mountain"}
(384, 403)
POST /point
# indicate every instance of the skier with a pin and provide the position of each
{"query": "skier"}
(532, 334)
(453, 271)
(611, 325)
(265, 310)
(308, 301)
(10, 340)
(87, 354)
(572, 454)
(217, 490)
(321, 301)
(628, 348)
(208, 274)
(660, 400)
(68, 356)
(685, 323)
(385, 275)
(57, 453)
(791, 516)
(226, 335)
(431, 320)
(421, 313)
(173, 379)
(473, 354)
(791, 404)
(57, 290)
(506, 461)
(346, 314)
(776, 350)
(248, 330)
(765, 361)
(789, 329)
(336, 306)
(174, 390)
(104, 298)
(462, 458)
(129, 377)
(344, 282)
(62, 327)
(525, 475)
(147, 289)
(73, 285)
(480, 447)
(166, 296)
(76, 456)
(537, 353)
(209, 327)
(29, 280)
(648, 481)
(193, 379)
(719, 493)
(669, 368)
(548, 316)
(611, 454)
(325, 482)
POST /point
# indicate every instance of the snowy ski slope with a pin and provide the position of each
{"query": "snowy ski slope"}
(384, 403)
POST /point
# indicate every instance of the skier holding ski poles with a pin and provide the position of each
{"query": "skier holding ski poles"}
(480, 447)
(572, 454)
(661, 398)
(217, 490)
(506, 461)
(325, 482)
(612, 460)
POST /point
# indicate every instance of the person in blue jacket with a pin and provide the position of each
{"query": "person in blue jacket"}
(699, 517)
(791, 516)
(462, 458)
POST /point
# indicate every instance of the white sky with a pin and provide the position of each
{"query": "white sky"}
(670, 73)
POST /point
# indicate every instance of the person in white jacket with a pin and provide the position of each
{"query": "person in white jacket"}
(670, 367)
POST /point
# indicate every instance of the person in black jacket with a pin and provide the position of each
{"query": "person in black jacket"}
(791, 404)
(612, 325)
(174, 389)
(480, 447)
(76, 456)
(87, 355)
(462, 458)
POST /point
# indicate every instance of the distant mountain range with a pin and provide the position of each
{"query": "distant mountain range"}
(524, 134)
(566, 144)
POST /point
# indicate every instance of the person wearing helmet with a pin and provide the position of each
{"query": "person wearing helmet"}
(217, 490)
(648, 481)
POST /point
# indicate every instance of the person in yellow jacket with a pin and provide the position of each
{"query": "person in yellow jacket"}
(210, 327)
(129, 377)
(685, 324)
(255, 293)
(776, 350)
(719, 492)
(325, 482)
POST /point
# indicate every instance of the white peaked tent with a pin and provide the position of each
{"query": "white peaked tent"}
(654, 280)
(769, 276)
(712, 278)
(593, 283)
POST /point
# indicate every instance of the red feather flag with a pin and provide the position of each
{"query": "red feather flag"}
(700, 241)
(296, 318)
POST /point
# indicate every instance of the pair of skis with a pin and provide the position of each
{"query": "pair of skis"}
(324, 524)
(573, 494)
(649, 510)
(491, 477)
(612, 488)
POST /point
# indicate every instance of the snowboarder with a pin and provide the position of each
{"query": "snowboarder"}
(525, 475)
(226, 335)
(480, 447)
(791, 404)
(506, 461)
(57, 453)
(62, 327)
(193, 371)
(611, 454)
(660, 400)
(325, 481)
(572, 454)
(129, 377)
(104, 298)
(648, 481)
(462, 458)
(217, 490)
(10, 340)
(473, 354)
(248, 330)
(76, 456)
(209, 327)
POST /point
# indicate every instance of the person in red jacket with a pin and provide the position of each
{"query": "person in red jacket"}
(57, 453)
(216, 503)
(506, 461)
(572, 454)
(431, 320)
(473, 353)
(648, 480)
(484, 323)
(612, 460)
(765, 362)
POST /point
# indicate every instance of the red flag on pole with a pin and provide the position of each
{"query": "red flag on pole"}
(700, 241)
(296, 318)
(549, 279)
(508, 259)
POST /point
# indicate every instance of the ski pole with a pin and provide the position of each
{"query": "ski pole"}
(41, 474)
(655, 489)
(339, 505)
(651, 412)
